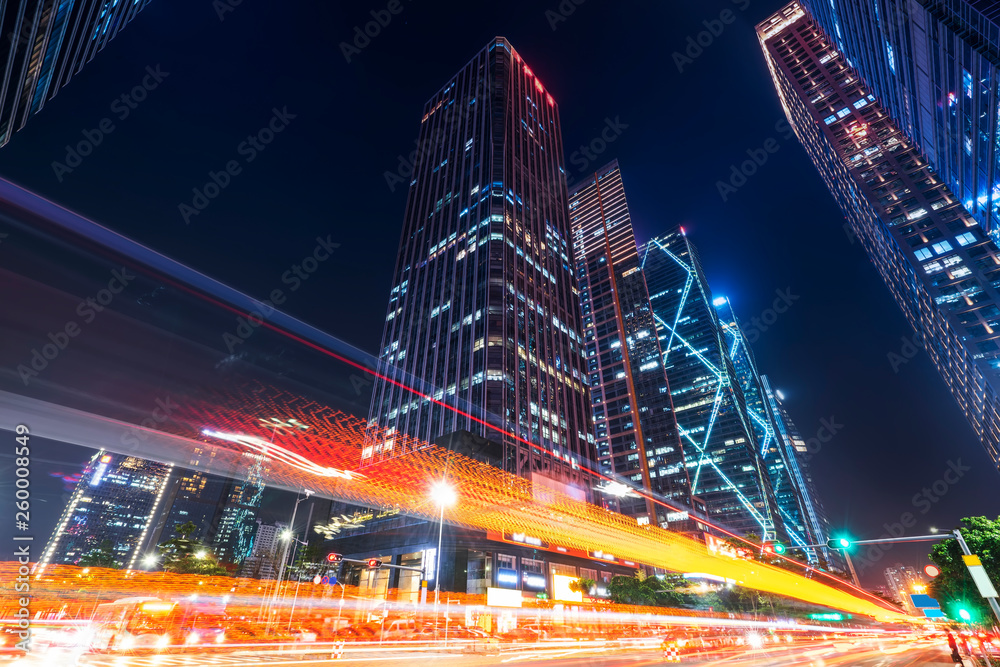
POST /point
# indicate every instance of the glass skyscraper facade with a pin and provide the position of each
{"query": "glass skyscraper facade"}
(636, 433)
(484, 309)
(724, 465)
(942, 269)
(47, 43)
(237, 521)
(117, 501)
(779, 461)
(814, 514)
(934, 68)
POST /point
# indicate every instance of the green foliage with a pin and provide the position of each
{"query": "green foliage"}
(183, 555)
(101, 556)
(582, 585)
(954, 587)
(650, 591)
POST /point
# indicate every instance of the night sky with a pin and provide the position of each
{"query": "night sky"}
(324, 174)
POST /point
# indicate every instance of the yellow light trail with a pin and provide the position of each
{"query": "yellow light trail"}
(488, 498)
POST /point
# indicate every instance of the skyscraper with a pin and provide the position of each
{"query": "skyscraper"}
(817, 525)
(940, 266)
(238, 518)
(484, 313)
(935, 69)
(778, 460)
(116, 501)
(904, 580)
(637, 437)
(724, 465)
(47, 42)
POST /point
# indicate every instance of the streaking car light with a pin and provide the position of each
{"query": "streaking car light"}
(273, 451)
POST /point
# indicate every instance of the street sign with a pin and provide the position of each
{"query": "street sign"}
(921, 601)
(979, 576)
(932, 571)
(317, 579)
(933, 613)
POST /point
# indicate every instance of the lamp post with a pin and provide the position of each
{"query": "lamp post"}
(284, 553)
(444, 495)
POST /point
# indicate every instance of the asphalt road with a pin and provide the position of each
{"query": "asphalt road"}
(862, 653)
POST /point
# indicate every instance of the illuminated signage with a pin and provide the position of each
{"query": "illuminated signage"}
(106, 458)
(535, 581)
(502, 597)
(561, 590)
(600, 555)
(521, 538)
(506, 576)
(677, 516)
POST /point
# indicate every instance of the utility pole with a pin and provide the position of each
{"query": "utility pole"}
(965, 550)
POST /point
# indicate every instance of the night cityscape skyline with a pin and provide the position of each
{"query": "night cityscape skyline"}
(608, 270)
(777, 343)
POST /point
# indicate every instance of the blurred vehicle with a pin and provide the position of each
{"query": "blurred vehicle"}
(301, 634)
(193, 623)
(521, 635)
(131, 624)
(356, 633)
(9, 639)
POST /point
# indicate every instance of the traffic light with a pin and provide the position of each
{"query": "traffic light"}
(773, 547)
(374, 563)
(335, 558)
(839, 543)
(965, 615)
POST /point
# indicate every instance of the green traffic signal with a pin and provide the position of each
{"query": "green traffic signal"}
(779, 548)
(964, 615)
(839, 543)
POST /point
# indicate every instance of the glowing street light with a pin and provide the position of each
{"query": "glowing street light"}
(201, 554)
(443, 494)
(149, 560)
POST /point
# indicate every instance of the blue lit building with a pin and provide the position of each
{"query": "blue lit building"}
(237, 522)
(116, 500)
(47, 42)
(724, 464)
(817, 525)
(940, 266)
(934, 68)
(779, 460)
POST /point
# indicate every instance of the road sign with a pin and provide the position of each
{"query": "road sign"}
(933, 613)
(317, 579)
(979, 576)
(921, 601)
(932, 571)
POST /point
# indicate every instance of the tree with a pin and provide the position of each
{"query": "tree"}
(954, 587)
(582, 585)
(183, 555)
(103, 555)
(651, 591)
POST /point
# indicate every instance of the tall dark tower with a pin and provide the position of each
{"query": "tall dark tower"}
(46, 42)
(484, 314)
(637, 436)
(941, 267)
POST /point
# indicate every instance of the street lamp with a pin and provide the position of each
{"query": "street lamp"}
(284, 553)
(149, 560)
(444, 495)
